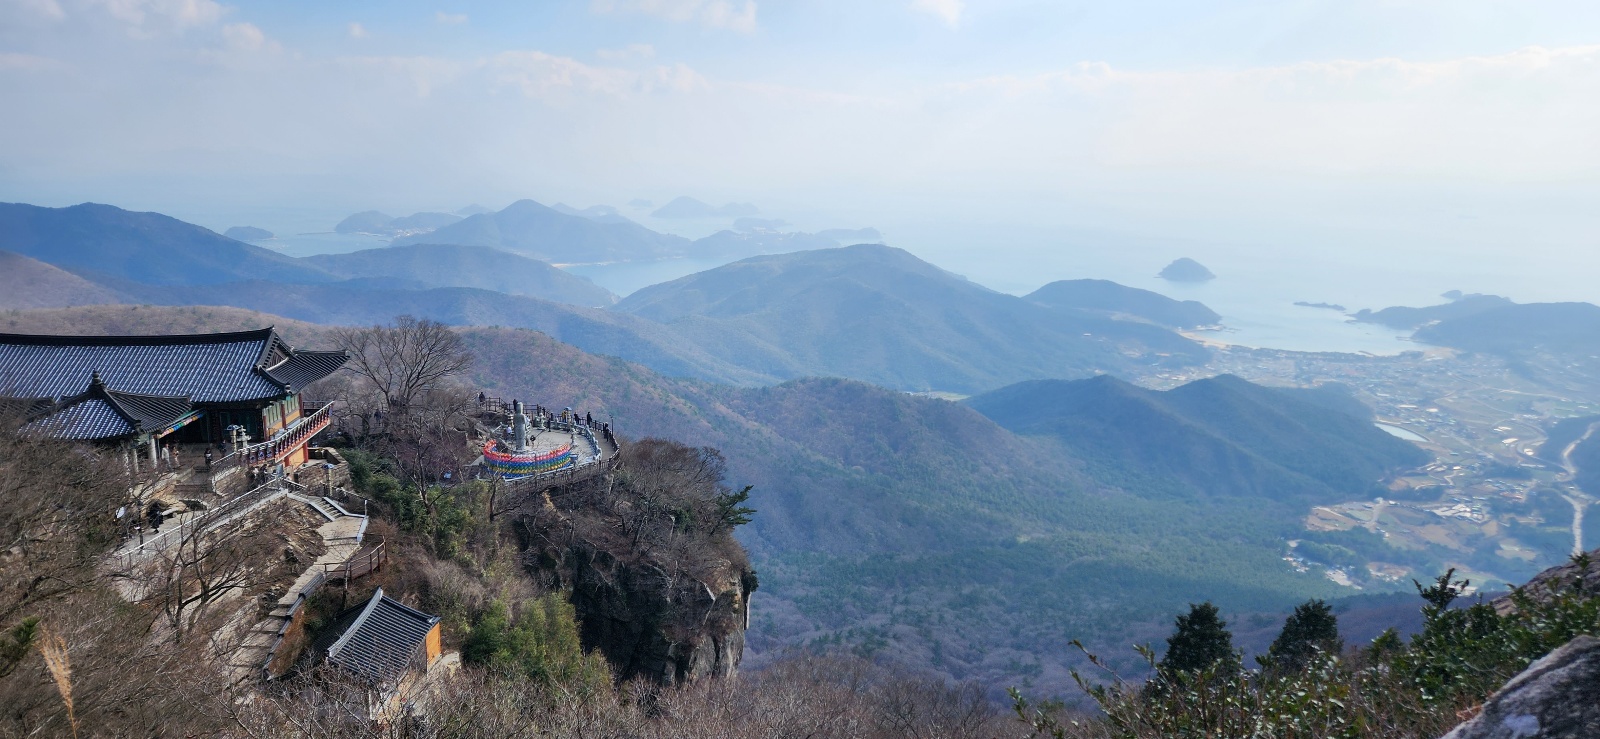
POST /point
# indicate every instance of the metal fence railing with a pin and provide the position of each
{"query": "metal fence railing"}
(206, 520)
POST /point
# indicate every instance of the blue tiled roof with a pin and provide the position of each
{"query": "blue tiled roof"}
(382, 640)
(206, 368)
(91, 419)
(101, 413)
(303, 368)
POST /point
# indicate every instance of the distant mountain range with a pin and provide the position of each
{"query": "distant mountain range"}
(1402, 317)
(879, 314)
(687, 207)
(374, 222)
(601, 213)
(866, 312)
(1185, 269)
(1219, 437)
(424, 266)
(533, 230)
(1105, 296)
(95, 241)
(1496, 325)
(1571, 329)
(736, 244)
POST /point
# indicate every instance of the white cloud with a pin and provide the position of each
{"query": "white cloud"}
(356, 30)
(1517, 114)
(717, 14)
(538, 74)
(246, 37)
(631, 51)
(450, 19)
(151, 16)
(48, 9)
(948, 11)
(423, 74)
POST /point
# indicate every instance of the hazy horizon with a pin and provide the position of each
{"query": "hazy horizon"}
(1394, 135)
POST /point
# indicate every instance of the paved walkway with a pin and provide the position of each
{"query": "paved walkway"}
(340, 537)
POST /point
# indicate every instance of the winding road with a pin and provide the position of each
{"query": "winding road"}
(1578, 500)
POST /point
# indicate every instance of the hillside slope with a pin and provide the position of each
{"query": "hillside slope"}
(1219, 437)
(893, 522)
(1406, 317)
(348, 304)
(1105, 296)
(29, 283)
(102, 241)
(437, 265)
(878, 314)
(1561, 328)
(543, 233)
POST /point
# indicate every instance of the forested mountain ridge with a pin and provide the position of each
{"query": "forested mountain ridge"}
(888, 520)
(1105, 296)
(1221, 436)
(868, 312)
(1406, 317)
(102, 241)
(26, 282)
(1561, 328)
(447, 265)
(548, 235)
(878, 314)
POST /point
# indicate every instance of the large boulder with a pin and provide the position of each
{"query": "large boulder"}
(1557, 697)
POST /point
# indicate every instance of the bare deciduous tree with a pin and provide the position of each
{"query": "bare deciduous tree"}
(204, 567)
(406, 359)
(57, 519)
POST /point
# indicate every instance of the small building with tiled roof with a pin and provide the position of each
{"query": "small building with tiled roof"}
(224, 389)
(383, 643)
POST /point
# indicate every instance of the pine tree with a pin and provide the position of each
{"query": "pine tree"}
(1310, 628)
(1200, 641)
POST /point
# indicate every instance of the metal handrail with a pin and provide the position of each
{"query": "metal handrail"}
(369, 561)
(211, 517)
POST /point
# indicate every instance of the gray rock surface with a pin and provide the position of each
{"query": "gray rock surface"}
(1557, 697)
(1569, 578)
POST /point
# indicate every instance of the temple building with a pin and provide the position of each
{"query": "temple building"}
(386, 645)
(233, 399)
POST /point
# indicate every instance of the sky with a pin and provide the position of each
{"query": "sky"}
(972, 128)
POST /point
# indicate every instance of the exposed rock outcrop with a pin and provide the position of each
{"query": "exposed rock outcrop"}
(1557, 697)
(648, 621)
(1570, 578)
(648, 557)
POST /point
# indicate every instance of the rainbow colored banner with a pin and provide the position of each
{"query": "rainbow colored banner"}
(513, 465)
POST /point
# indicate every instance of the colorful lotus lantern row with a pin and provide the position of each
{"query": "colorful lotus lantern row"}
(513, 464)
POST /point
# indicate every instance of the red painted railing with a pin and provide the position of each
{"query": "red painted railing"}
(279, 446)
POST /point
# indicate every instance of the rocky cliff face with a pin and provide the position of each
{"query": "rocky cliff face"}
(647, 555)
(1577, 577)
(647, 620)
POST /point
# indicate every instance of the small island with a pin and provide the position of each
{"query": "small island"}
(247, 233)
(1325, 306)
(1186, 270)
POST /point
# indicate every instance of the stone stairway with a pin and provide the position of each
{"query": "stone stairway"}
(326, 507)
(342, 534)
